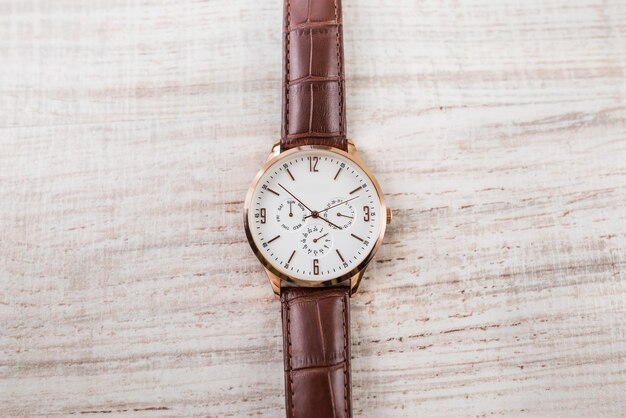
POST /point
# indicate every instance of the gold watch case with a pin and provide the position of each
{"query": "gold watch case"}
(353, 277)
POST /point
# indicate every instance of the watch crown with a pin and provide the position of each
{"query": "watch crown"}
(389, 216)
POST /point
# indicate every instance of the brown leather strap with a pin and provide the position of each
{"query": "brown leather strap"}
(313, 94)
(316, 340)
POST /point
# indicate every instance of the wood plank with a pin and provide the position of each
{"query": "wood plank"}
(129, 132)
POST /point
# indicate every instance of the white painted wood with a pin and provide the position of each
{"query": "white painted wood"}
(129, 132)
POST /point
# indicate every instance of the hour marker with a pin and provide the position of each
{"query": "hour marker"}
(313, 160)
(275, 238)
(270, 190)
(263, 213)
(355, 236)
(337, 175)
(290, 175)
(366, 213)
(291, 257)
(356, 190)
(339, 254)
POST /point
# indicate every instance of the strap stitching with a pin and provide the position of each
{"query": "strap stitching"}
(289, 357)
(288, 65)
(339, 69)
(345, 356)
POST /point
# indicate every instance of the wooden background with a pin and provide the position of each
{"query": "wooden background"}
(129, 132)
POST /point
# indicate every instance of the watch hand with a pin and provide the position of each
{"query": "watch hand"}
(345, 216)
(330, 207)
(283, 187)
(290, 210)
(317, 239)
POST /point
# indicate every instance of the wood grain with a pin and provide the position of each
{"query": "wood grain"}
(129, 132)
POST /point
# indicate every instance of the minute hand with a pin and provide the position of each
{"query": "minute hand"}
(338, 204)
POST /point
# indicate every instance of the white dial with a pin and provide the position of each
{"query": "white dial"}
(314, 215)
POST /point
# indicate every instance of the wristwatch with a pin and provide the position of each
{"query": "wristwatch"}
(315, 215)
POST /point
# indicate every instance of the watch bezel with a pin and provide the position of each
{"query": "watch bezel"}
(344, 278)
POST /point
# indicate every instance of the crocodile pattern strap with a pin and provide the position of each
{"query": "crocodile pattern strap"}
(313, 92)
(316, 340)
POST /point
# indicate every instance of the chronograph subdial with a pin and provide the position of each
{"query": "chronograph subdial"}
(316, 240)
(340, 214)
(290, 215)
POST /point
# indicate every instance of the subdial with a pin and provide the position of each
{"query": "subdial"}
(316, 240)
(341, 215)
(290, 215)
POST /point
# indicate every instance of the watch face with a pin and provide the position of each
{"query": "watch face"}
(314, 215)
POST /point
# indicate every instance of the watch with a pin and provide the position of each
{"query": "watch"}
(315, 215)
